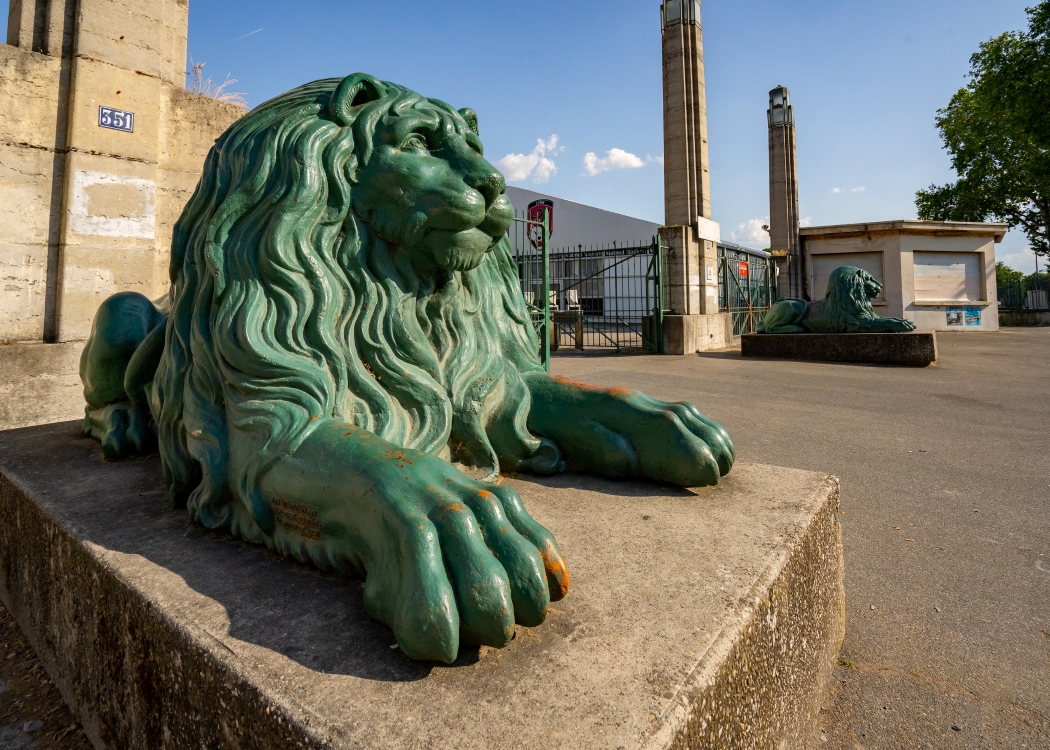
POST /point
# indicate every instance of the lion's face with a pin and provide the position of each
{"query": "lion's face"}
(872, 288)
(427, 189)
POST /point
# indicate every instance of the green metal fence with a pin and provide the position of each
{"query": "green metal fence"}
(594, 297)
(534, 274)
(1031, 293)
(747, 285)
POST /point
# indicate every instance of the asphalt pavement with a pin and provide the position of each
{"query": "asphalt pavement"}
(946, 502)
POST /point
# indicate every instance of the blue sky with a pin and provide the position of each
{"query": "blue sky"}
(866, 79)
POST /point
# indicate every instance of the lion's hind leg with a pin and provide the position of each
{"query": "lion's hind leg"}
(123, 324)
(784, 317)
(122, 428)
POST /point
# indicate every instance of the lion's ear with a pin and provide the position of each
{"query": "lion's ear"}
(352, 92)
(472, 119)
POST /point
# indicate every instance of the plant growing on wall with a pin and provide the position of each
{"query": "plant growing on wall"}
(207, 87)
(997, 130)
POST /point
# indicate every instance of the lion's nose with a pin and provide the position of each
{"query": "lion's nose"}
(489, 182)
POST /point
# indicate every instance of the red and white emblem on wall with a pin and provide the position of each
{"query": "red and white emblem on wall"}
(535, 213)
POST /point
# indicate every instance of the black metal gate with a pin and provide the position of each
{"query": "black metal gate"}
(597, 297)
(747, 285)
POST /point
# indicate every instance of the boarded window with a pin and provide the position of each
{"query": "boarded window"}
(948, 277)
(823, 265)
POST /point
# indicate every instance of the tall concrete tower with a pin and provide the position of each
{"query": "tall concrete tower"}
(783, 195)
(687, 182)
(691, 237)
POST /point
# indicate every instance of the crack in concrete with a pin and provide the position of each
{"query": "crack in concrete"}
(74, 149)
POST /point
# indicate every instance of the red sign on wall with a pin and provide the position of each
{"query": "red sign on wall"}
(536, 212)
(743, 269)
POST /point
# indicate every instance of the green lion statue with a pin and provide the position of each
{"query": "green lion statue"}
(846, 308)
(344, 323)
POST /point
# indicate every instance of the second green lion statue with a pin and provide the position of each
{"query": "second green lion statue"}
(344, 321)
(846, 308)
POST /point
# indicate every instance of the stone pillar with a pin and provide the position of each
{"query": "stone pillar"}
(691, 237)
(123, 57)
(783, 196)
(687, 183)
(86, 210)
(26, 22)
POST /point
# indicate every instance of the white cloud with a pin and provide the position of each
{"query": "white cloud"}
(751, 232)
(658, 159)
(1023, 261)
(615, 158)
(537, 165)
(836, 190)
(857, 190)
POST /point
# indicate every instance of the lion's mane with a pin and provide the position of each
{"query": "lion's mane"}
(286, 308)
(846, 301)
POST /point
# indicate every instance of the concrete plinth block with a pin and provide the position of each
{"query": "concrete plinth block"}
(706, 618)
(916, 348)
(688, 334)
(40, 383)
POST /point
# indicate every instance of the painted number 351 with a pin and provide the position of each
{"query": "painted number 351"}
(117, 119)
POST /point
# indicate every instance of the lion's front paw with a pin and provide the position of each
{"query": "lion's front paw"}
(669, 442)
(624, 433)
(893, 325)
(463, 563)
(446, 559)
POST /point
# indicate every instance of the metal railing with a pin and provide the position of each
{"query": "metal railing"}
(534, 275)
(597, 297)
(747, 286)
(1031, 293)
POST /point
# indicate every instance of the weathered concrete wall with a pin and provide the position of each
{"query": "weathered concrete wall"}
(87, 211)
(40, 384)
(191, 124)
(1024, 317)
(29, 89)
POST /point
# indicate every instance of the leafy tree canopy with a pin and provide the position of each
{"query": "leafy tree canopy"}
(1006, 275)
(997, 130)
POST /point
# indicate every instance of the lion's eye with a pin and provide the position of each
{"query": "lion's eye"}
(415, 142)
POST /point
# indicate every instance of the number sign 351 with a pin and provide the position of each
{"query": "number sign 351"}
(117, 119)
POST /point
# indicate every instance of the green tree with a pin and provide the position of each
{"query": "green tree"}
(1006, 275)
(997, 130)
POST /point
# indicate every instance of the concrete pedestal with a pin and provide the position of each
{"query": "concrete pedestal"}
(40, 383)
(916, 348)
(688, 334)
(706, 618)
